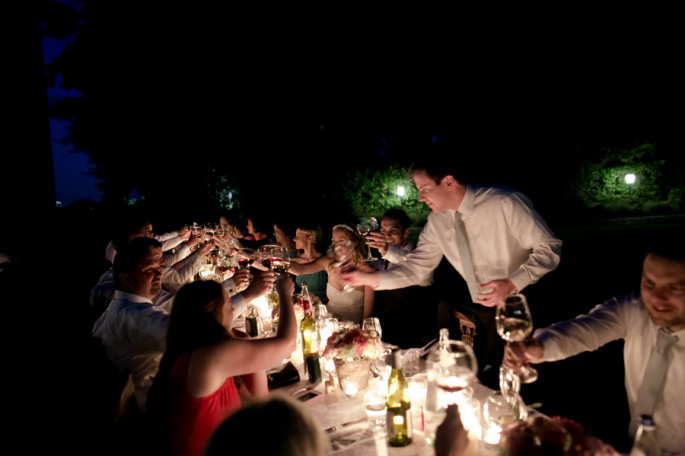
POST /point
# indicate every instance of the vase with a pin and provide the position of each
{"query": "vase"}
(355, 372)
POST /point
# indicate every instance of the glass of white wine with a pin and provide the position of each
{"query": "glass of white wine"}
(365, 226)
(514, 324)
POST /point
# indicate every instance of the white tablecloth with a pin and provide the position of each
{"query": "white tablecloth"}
(358, 439)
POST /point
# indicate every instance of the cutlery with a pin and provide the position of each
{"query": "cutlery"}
(340, 426)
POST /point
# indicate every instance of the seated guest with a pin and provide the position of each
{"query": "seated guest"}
(307, 240)
(291, 431)
(346, 252)
(643, 320)
(392, 306)
(133, 327)
(197, 385)
(135, 223)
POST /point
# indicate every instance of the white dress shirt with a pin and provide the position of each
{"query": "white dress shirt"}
(508, 239)
(168, 240)
(626, 318)
(133, 333)
(103, 292)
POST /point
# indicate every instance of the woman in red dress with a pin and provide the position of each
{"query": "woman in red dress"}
(206, 365)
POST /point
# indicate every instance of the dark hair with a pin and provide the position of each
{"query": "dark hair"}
(396, 213)
(131, 222)
(444, 160)
(261, 224)
(194, 321)
(129, 256)
(668, 246)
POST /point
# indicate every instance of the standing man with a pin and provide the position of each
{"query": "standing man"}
(652, 323)
(503, 247)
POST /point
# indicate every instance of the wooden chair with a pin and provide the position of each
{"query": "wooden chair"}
(467, 328)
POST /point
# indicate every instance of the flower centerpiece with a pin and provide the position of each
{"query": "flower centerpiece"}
(352, 349)
(540, 435)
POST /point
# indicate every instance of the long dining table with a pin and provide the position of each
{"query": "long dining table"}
(343, 419)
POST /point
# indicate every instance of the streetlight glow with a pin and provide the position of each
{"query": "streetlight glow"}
(400, 190)
(630, 178)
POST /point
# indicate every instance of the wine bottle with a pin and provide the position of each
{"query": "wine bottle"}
(398, 421)
(310, 340)
(251, 327)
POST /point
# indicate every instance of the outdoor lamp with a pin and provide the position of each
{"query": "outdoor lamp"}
(400, 190)
(630, 178)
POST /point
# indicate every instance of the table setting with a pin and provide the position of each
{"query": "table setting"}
(349, 400)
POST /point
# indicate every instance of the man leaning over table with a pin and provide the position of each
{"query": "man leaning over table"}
(637, 318)
(133, 327)
(510, 245)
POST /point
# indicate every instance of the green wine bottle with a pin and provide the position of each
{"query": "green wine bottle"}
(398, 420)
(310, 339)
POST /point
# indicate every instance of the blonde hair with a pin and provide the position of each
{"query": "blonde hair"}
(355, 237)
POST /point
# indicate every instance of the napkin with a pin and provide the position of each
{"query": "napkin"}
(283, 376)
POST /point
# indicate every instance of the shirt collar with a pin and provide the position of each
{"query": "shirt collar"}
(120, 294)
(466, 206)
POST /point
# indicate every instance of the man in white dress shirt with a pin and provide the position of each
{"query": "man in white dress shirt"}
(133, 327)
(637, 319)
(511, 246)
(391, 306)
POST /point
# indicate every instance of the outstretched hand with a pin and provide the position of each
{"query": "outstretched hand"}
(517, 354)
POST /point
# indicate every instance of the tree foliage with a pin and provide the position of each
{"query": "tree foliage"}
(600, 181)
(371, 191)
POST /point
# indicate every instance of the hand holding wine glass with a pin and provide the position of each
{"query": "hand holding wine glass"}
(365, 226)
(514, 324)
(343, 253)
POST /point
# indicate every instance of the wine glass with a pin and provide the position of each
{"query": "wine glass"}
(514, 323)
(454, 369)
(343, 253)
(365, 226)
(280, 261)
(246, 257)
(372, 324)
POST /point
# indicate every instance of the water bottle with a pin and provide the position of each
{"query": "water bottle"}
(646, 443)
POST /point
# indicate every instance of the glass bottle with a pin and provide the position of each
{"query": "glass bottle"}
(433, 402)
(646, 443)
(310, 339)
(398, 402)
(251, 324)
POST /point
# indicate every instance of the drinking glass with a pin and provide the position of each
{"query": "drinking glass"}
(343, 253)
(246, 257)
(411, 361)
(499, 411)
(514, 323)
(365, 226)
(373, 324)
(454, 369)
(376, 411)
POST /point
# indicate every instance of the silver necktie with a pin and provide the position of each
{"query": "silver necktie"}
(465, 256)
(655, 375)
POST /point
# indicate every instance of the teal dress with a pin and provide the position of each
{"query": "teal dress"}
(315, 282)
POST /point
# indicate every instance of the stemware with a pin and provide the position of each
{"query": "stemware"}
(343, 252)
(454, 369)
(246, 257)
(365, 226)
(514, 323)
(373, 324)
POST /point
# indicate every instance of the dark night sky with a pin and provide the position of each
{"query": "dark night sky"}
(518, 102)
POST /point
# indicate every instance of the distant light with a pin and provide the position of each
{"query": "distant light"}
(400, 190)
(630, 179)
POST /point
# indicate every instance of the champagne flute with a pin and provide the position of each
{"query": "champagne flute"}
(514, 323)
(364, 227)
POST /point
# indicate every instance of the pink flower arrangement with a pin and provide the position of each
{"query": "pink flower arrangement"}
(351, 343)
(540, 435)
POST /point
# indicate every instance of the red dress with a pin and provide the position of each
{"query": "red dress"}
(191, 420)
